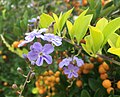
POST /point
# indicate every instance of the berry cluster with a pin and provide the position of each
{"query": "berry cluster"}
(46, 82)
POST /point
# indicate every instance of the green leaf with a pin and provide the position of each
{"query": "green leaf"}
(118, 42)
(1, 24)
(64, 18)
(17, 31)
(92, 3)
(81, 27)
(110, 28)
(97, 38)
(69, 26)
(101, 24)
(94, 84)
(99, 93)
(114, 50)
(85, 93)
(113, 39)
(88, 46)
(45, 20)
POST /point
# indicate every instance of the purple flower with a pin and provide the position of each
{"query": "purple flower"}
(56, 40)
(40, 53)
(71, 71)
(65, 62)
(32, 20)
(31, 36)
(79, 62)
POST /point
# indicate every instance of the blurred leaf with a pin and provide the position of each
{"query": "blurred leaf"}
(35, 91)
(85, 93)
(94, 84)
(91, 3)
(17, 31)
(114, 50)
(1, 24)
(45, 17)
(99, 93)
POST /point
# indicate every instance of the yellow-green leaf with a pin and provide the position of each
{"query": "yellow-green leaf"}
(101, 24)
(45, 20)
(115, 51)
(97, 38)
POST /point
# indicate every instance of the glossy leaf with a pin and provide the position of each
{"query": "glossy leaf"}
(114, 50)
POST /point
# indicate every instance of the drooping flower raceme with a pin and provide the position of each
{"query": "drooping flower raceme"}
(40, 53)
(71, 66)
(31, 36)
(71, 71)
(56, 40)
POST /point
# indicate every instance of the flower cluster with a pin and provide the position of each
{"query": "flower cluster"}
(39, 53)
(71, 66)
(56, 40)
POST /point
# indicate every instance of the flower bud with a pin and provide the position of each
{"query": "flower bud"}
(20, 70)
(14, 86)
(32, 75)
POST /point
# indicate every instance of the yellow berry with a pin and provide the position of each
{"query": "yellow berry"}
(50, 72)
(57, 79)
(106, 83)
(4, 57)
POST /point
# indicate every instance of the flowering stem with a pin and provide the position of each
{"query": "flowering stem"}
(26, 81)
(102, 56)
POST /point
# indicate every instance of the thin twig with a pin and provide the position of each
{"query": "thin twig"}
(25, 83)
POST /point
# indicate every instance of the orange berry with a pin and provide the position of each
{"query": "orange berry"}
(105, 66)
(79, 83)
(99, 59)
(57, 79)
(86, 66)
(84, 2)
(53, 93)
(106, 83)
(92, 59)
(86, 71)
(101, 69)
(83, 41)
(15, 44)
(91, 66)
(0, 52)
(4, 57)
(46, 82)
(41, 91)
(118, 84)
(50, 72)
(104, 76)
(52, 78)
(53, 88)
(5, 83)
(45, 73)
(57, 73)
(110, 89)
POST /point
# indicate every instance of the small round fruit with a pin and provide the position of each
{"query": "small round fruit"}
(15, 44)
(79, 83)
(105, 66)
(4, 57)
(99, 59)
(50, 72)
(57, 73)
(104, 76)
(110, 89)
(92, 59)
(86, 71)
(57, 79)
(101, 69)
(106, 83)
(118, 84)
(41, 91)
